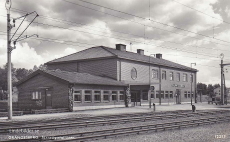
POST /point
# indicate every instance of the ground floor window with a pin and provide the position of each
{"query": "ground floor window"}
(88, 96)
(121, 96)
(97, 96)
(185, 94)
(188, 94)
(114, 95)
(36, 95)
(157, 94)
(77, 96)
(145, 94)
(171, 94)
(106, 96)
(166, 94)
(162, 94)
(152, 94)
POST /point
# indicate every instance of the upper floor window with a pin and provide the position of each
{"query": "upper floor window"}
(133, 73)
(191, 78)
(185, 77)
(154, 74)
(178, 76)
(171, 75)
(163, 75)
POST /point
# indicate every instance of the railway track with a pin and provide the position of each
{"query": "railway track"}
(101, 121)
(133, 130)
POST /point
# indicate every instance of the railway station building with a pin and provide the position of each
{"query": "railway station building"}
(107, 77)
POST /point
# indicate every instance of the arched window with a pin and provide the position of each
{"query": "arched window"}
(133, 73)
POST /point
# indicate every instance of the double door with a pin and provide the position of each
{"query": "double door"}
(136, 98)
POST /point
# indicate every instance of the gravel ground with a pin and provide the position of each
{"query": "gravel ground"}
(75, 130)
(196, 134)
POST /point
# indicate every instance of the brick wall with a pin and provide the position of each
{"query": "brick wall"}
(59, 93)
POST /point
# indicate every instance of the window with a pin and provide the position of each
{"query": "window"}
(145, 95)
(36, 95)
(77, 96)
(185, 77)
(171, 75)
(122, 95)
(152, 94)
(87, 95)
(191, 78)
(162, 94)
(106, 96)
(185, 94)
(154, 74)
(188, 94)
(163, 75)
(166, 94)
(171, 94)
(178, 76)
(133, 73)
(97, 96)
(114, 95)
(192, 94)
(157, 94)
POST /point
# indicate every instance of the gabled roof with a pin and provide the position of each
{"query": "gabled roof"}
(90, 53)
(75, 78)
(103, 52)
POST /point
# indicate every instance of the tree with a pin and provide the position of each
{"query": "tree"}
(210, 90)
(22, 73)
(43, 67)
(202, 88)
(216, 86)
(35, 68)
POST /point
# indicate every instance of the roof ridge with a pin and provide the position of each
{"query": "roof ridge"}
(72, 54)
(105, 48)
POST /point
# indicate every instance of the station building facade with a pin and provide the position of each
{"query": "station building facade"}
(129, 79)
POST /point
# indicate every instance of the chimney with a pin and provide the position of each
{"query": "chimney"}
(140, 51)
(159, 56)
(121, 47)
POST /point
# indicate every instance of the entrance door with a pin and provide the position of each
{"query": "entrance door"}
(136, 98)
(178, 96)
(48, 99)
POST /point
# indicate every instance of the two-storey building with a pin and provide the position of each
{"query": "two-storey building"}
(132, 77)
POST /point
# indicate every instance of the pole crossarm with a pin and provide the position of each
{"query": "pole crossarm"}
(228, 64)
(25, 37)
(25, 15)
(26, 28)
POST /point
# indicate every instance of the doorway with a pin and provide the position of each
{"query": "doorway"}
(48, 99)
(178, 96)
(136, 98)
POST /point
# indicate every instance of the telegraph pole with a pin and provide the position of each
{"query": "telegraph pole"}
(9, 74)
(9, 50)
(222, 76)
(191, 79)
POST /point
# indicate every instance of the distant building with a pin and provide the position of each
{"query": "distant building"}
(102, 76)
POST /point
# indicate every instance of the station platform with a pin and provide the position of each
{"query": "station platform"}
(118, 110)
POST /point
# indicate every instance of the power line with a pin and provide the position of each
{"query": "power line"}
(67, 43)
(126, 20)
(143, 19)
(54, 40)
(134, 41)
(201, 12)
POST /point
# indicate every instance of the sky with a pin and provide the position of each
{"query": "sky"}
(183, 31)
